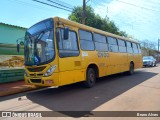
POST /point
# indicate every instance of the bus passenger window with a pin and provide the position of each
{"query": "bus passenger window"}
(86, 40)
(129, 47)
(135, 48)
(68, 47)
(100, 42)
(139, 48)
(122, 46)
(113, 47)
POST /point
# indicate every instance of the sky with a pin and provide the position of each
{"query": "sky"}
(139, 18)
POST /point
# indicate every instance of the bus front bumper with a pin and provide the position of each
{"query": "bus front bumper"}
(43, 81)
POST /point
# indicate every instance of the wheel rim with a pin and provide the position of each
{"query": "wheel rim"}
(92, 78)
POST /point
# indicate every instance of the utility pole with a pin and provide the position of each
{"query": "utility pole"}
(158, 44)
(84, 12)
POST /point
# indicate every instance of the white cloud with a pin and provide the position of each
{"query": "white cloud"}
(136, 21)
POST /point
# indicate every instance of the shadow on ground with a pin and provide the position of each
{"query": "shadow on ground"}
(76, 98)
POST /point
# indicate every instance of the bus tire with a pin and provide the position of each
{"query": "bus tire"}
(131, 69)
(90, 78)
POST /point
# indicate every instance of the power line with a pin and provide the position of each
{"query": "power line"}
(107, 14)
(31, 5)
(51, 5)
(127, 4)
(25, 3)
(120, 21)
(59, 4)
(66, 4)
(97, 2)
(137, 6)
(133, 16)
(87, 1)
(136, 14)
(28, 4)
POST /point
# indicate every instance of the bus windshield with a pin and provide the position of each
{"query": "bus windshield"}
(39, 44)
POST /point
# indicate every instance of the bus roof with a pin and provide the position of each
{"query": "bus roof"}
(85, 27)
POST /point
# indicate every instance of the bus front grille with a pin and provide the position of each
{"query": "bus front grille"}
(36, 69)
(34, 75)
(35, 80)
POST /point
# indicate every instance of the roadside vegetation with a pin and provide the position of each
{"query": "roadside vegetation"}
(105, 24)
(96, 21)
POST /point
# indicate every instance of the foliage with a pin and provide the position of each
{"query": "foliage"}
(94, 20)
(148, 48)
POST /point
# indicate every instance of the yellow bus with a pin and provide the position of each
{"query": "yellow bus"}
(60, 52)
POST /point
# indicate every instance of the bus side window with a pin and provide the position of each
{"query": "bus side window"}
(139, 48)
(67, 47)
(86, 40)
(135, 48)
(100, 42)
(122, 46)
(113, 46)
(129, 47)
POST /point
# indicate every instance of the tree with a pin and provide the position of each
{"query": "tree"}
(94, 20)
(148, 48)
(123, 33)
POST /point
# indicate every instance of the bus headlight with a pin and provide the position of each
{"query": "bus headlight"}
(50, 70)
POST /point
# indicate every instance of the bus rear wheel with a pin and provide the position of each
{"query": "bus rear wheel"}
(90, 78)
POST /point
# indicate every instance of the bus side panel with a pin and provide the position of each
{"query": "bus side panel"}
(138, 60)
(103, 61)
(70, 70)
(114, 62)
(69, 77)
(123, 62)
(100, 59)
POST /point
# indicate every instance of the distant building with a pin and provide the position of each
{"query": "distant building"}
(11, 62)
(10, 33)
(8, 37)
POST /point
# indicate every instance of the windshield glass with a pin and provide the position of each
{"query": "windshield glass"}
(39, 45)
(147, 58)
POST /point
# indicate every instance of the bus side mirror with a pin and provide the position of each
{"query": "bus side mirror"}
(18, 46)
(66, 33)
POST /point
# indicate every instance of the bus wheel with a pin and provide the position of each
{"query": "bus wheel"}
(131, 69)
(90, 78)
